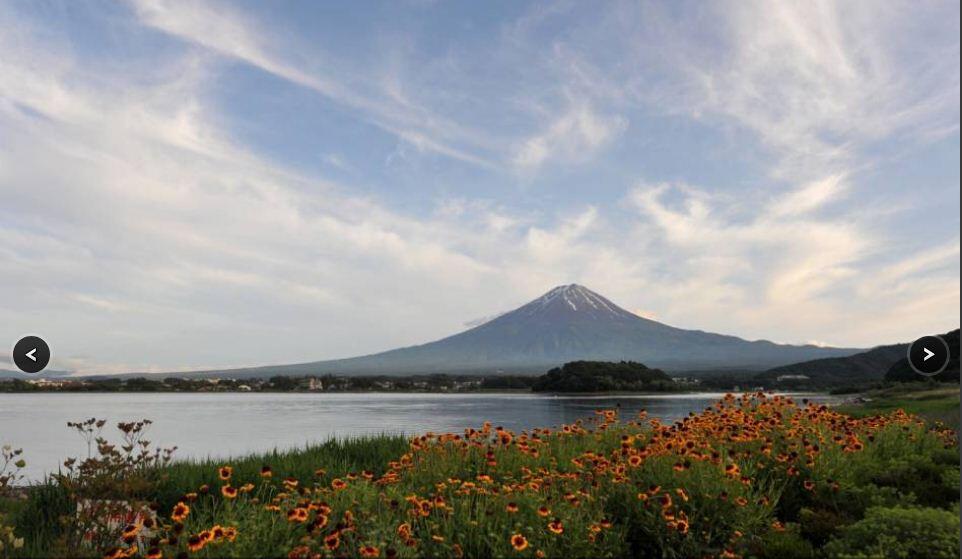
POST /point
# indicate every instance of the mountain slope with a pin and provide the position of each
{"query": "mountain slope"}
(569, 323)
(868, 365)
(901, 371)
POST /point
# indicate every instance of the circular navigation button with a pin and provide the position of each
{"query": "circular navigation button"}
(31, 354)
(929, 355)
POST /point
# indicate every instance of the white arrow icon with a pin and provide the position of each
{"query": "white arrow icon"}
(928, 354)
(32, 357)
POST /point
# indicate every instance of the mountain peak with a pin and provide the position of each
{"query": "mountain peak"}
(573, 300)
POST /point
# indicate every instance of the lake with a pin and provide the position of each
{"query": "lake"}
(222, 425)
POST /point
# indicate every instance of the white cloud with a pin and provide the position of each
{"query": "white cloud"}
(224, 30)
(816, 81)
(573, 137)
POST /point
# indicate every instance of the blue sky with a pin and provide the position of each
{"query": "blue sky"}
(206, 184)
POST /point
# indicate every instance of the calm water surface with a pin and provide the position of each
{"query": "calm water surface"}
(232, 424)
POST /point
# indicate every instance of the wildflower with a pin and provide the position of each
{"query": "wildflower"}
(130, 533)
(404, 530)
(154, 553)
(331, 542)
(228, 492)
(682, 493)
(180, 512)
(217, 532)
(810, 485)
(556, 527)
(195, 543)
(225, 472)
(266, 472)
(230, 533)
(543, 511)
(298, 514)
(369, 551)
(338, 484)
(511, 507)
(438, 538)
(519, 542)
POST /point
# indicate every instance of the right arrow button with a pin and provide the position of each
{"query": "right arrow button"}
(929, 355)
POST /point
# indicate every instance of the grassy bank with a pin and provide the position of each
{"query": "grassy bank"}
(751, 477)
(939, 404)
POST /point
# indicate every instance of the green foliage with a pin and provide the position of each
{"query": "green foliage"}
(602, 376)
(785, 544)
(899, 532)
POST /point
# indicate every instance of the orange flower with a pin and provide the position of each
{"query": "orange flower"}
(338, 484)
(511, 507)
(556, 527)
(404, 530)
(228, 492)
(810, 485)
(666, 501)
(543, 511)
(369, 551)
(298, 514)
(195, 543)
(130, 532)
(331, 542)
(225, 472)
(519, 542)
(266, 472)
(154, 553)
(180, 512)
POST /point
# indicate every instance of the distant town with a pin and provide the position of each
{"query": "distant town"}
(432, 383)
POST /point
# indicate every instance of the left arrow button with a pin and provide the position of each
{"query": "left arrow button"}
(31, 354)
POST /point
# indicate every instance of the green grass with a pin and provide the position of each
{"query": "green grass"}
(932, 404)
(337, 456)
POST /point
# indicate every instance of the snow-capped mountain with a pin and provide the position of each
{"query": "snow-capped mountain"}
(568, 323)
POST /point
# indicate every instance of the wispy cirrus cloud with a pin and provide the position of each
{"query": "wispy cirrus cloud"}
(223, 30)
